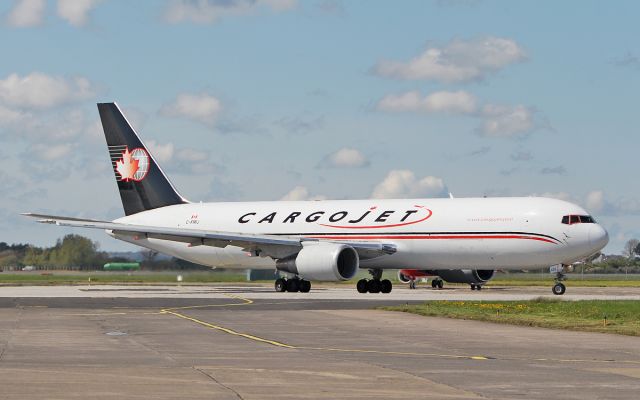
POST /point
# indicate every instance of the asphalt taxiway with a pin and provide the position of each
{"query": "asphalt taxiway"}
(246, 342)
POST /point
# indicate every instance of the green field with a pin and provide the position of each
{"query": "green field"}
(99, 277)
(619, 316)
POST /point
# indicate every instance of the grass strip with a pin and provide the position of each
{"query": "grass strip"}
(607, 316)
(111, 278)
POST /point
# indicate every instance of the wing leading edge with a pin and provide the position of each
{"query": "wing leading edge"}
(263, 245)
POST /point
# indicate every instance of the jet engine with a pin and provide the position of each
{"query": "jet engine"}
(322, 262)
(471, 276)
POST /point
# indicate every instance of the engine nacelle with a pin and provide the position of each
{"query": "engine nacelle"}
(319, 261)
(475, 276)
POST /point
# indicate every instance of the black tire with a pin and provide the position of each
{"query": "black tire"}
(412, 284)
(373, 286)
(362, 286)
(386, 286)
(440, 283)
(478, 287)
(558, 289)
(473, 286)
(305, 286)
(434, 284)
(281, 285)
(293, 285)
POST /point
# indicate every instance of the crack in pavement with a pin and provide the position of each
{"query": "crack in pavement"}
(219, 383)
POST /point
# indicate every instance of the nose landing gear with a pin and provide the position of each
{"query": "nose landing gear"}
(559, 288)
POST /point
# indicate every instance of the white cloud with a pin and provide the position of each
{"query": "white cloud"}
(595, 201)
(53, 126)
(458, 61)
(202, 108)
(76, 12)
(302, 124)
(38, 90)
(345, 157)
(404, 184)
(161, 152)
(9, 116)
(300, 193)
(506, 120)
(495, 120)
(522, 156)
(209, 11)
(192, 155)
(51, 152)
(194, 161)
(446, 102)
(26, 13)
(557, 170)
(184, 160)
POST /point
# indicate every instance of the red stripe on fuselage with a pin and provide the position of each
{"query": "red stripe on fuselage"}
(428, 237)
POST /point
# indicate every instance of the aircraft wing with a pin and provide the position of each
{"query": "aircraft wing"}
(263, 245)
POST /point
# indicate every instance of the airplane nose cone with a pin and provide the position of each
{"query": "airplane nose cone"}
(598, 237)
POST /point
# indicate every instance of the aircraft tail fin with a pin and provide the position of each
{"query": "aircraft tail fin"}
(141, 182)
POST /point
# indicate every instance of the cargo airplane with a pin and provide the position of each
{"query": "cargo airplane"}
(461, 240)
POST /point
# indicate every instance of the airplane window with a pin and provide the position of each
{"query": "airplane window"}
(587, 219)
(578, 219)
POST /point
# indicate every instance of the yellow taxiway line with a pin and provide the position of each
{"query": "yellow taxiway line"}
(174, 312)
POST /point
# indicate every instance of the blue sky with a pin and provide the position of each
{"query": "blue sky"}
(272, 99)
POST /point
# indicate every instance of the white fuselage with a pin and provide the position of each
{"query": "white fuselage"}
(482, 233)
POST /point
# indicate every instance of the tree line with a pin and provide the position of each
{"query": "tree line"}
(79, 253)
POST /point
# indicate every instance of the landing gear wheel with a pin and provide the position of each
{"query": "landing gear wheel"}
(434, 283)
(440, 284)
(281, 285)
(293, 285)
(305, 286)
(412, 284)
(373, 286)
(473, 286)
(558, 289)
(362, 286)
(385, 286)
(478, 287)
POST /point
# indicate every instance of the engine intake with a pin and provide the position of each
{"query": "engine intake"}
(322, 262)
(474, 276)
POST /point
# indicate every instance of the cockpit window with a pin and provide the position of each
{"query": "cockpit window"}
(578, 219)
(586, 219)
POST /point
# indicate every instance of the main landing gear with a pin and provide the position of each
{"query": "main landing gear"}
(437, 283)
(374, 285)
(475, 286)
(292, 285)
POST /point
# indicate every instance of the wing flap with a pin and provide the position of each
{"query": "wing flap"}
(264, 245)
